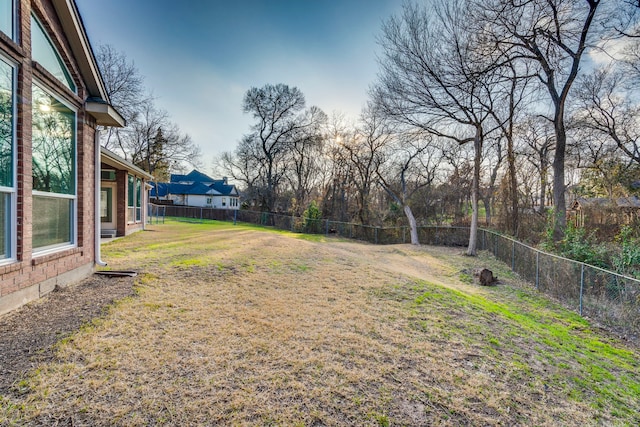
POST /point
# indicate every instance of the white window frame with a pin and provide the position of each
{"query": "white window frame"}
(138, 202)
(12, 225)
(131, 209)
(44, 250)
(59, 57)
(14, 21)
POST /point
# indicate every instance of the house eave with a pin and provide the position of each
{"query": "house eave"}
(71, 21)
(112, 159)
(79, 42)
(105, 114)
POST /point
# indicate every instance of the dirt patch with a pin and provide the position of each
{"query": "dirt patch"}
(28, 335)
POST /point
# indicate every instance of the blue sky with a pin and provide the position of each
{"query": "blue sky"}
(199, 57)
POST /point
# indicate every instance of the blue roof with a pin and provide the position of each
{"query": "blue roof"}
(159, 189)
(193, 176)
(199, 184)
(224, 189)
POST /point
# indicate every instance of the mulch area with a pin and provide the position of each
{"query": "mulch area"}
(28, 334)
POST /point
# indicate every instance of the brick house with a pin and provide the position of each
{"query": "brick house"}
(52, 98)
(123, 195)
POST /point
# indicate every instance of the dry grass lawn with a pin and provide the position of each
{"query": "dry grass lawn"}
(242, 326)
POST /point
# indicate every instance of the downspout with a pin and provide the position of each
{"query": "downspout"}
(96, 220)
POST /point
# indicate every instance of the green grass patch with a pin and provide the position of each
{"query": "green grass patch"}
(584, 365)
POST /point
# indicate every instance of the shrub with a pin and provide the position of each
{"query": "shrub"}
(627, 260)
(312, 219)
(580, 246)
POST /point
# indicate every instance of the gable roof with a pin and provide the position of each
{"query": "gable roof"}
(193, 176)
(224, 189)
(628, 202)
(590, 202)
(632, 202)
(159, 189)
(97, 103)
(194, 183)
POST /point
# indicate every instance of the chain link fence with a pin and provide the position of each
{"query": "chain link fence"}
(611, 299)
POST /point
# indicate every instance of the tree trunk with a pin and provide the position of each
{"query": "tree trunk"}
(560, 206)
(413, 226)
(543, 184)
(475, 191)
(486, 201)
(511, 160)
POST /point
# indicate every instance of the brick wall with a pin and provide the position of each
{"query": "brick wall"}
(29, 277)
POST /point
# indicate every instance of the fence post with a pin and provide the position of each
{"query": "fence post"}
(581, 286)
(376, 234)
(537, 269)
(326, 228)
(513, 255)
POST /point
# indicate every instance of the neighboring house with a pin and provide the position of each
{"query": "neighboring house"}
(123, 195)
(52, 98)
(197, 189)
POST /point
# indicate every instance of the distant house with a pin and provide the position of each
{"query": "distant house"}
(53, 102)
(123, 195)
(197, 189)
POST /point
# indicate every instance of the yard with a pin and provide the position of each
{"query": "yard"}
(236, 325)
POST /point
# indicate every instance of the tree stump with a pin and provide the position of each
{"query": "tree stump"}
(486, 277)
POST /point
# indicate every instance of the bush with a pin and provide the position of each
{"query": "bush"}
(627, 260)
(580, 246)
(312, 219)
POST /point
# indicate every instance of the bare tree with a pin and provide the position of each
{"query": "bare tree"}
(125, 87)
(433, 78)
(606, 108)
(366, 153)
(244, 166)
(338, 190)
(276, 109)
(413, 163)
(537, 142)
(305, 157)
(157, 145)
(150, 140)
(553, 34)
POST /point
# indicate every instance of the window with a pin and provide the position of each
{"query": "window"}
(106, 204)
(224, 201)
(8, 17)
(131, 197)
(134, 199)
(209, 200)
(54, 171)
(107, 175)
(44, 52)
(138, 200)
(7, 133)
